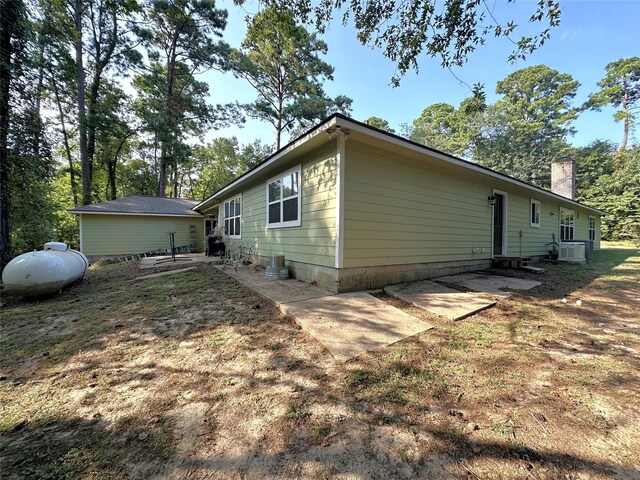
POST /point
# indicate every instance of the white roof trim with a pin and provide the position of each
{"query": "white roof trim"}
(461, 163)
(75, 212)
(277, 156)
(341, 120)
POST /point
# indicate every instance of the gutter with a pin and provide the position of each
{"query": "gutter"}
(394, 139)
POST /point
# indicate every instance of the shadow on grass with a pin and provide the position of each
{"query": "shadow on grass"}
(385, 388)
(562, 279)
(74, 447)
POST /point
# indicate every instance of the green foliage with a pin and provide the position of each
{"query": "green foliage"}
(181, 43)
(281, 61)
(64, 225)
(379, 123)
(215, 165)
(26, 169)
(620, 88)
(440, 126)
(592, 162)
(405, 30)
(616, 190)
(136, 177)
(527, 128)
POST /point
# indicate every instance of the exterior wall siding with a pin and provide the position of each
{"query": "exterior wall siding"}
(106, 235)
(313, 242)
(401, 211)
(526, 241)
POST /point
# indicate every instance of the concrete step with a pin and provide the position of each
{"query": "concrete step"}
(532, 269)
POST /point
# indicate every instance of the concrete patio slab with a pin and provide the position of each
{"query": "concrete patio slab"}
(350, 324)
(440, 300)
(181, 259)
(278, 291)
(164, 274)
(482, 282)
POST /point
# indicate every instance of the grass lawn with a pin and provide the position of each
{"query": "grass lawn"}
(194, 376)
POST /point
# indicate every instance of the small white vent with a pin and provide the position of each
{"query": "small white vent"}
(571, 251)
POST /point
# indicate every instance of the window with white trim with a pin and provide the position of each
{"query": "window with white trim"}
(592, 227)
(283, 199)
(535, 213)
(567, 223)
(232, 214)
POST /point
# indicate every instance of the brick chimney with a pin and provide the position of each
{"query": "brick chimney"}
(563, 177)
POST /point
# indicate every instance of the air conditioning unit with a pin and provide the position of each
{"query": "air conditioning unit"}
(572, 252)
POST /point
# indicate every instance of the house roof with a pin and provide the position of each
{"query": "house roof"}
(140, 205)
(314, 138)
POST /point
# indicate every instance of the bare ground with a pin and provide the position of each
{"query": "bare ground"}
(194, 376)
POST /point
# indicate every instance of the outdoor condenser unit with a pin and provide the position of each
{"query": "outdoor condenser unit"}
(571, 252)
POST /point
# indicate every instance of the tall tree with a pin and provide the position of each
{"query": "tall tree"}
(217, 164)
(615, 189)
(281, 60)
(379, 123)
(527, 128)
(182, 45)
(436, 127)
(10, 33)
(452, 130)
(101, 35)
(115, 128)
(25, 159)
(406, 29)
(620, 88)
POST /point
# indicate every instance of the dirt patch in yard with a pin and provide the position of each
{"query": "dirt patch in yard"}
(194, 376)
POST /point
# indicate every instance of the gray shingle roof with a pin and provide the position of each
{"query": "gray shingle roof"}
(138, 204)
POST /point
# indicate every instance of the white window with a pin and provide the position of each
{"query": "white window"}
(592, 227)
(232, 214)
(567, 221)
(535, 213)
(283, 199)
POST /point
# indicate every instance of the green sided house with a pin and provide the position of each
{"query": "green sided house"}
(138, 224)
(352, 207)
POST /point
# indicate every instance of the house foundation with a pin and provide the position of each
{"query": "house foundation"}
(370, 278)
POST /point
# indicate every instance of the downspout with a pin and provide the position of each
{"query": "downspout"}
(341, 135)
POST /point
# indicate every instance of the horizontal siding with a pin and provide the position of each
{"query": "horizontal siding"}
(314, 240)
(403, 210)
(400, 211)
(525, 240)
(126, 234)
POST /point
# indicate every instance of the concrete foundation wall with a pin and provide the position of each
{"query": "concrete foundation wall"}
(367, 278)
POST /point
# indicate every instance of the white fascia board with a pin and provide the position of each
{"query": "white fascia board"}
(277, 156)
(392, 139)
(135, 214)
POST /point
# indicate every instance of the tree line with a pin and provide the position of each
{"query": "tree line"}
(529, 126)
(104, 98)
(101, 99)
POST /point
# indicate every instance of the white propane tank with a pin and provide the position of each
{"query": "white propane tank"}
(45, 271)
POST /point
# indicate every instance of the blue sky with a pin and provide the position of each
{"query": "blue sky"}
(592, 33)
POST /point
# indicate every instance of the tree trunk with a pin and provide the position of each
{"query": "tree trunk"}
(65, 139)
(87, 168)
(627, 117)
(37, 138)
(175, 176)
(7, 27)
(168, 106)
(111, 169)
(162, 171)
(625, 135)
(279, 124)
